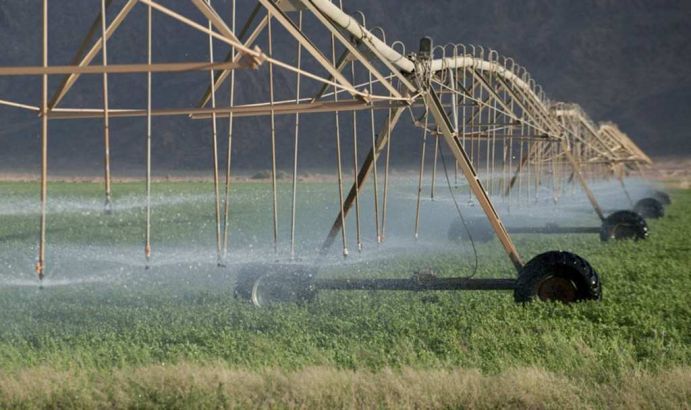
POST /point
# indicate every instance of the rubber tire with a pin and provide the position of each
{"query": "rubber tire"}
(649, 208)
(636, 226)
(479, 228)
(293, 287)
(245, 279)
(559, 264)
(663, 197)
(295, 276)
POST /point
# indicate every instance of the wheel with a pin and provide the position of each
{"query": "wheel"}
(624, 225)
(246, 276)
(663, 197)
(478, 228)
(649, 208)
(267, 284)
(557, 276)
(277, 288)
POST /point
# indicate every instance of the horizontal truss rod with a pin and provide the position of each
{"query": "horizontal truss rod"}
(15, 104)
(484, 137)
(119, 68)
(236, 111)
(415, 284)
(554, 230)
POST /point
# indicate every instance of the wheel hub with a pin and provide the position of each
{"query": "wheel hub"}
(557, 288)
(623, 231)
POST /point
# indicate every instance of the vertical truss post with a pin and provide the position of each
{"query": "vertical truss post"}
(421, 176)
(525, 158)
(355, 168)
(214, 142)
(106, 115)
(446, 128)
(41, 263)
(387, 163)
(296, 146)
(375, 156)
(556, 175)
(581, 180)
(231, 122)
(273, 137)
(339, 165)
(434, 165)
(382, 142)
(232, 55)
(619, 171)
(149, 35)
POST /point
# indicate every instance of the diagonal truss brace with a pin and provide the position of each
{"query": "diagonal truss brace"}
(82, 59)
(446, 128)
(290, 26)
(581, 179)
(234, 57)
(352, 48)
(383, 139)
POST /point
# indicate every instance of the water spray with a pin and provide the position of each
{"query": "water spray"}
(479, 106)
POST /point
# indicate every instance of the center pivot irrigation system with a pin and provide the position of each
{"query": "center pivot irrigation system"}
(482, 108)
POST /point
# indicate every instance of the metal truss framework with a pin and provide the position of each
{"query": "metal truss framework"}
(507, 138)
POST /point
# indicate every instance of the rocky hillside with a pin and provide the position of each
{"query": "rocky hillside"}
(626, 61)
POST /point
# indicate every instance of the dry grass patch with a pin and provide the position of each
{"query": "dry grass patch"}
(213, 386)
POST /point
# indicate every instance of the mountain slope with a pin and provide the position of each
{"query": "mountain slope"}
(622, 61)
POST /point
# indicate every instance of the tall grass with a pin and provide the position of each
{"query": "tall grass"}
(190, 385)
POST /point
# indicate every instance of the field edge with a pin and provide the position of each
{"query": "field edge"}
(187, 385)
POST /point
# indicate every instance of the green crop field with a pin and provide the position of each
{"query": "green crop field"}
(105, 332)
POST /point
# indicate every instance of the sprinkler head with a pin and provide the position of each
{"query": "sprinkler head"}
(425, 48)
(108, 207)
